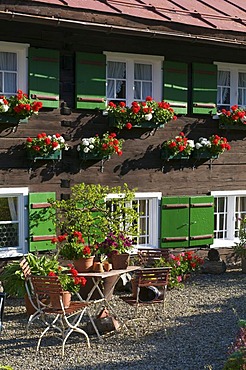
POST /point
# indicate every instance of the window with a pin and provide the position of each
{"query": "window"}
(148, 205)
(13, 218)
(231, 85)
(13, 68)
(133, 77)
(229, 210)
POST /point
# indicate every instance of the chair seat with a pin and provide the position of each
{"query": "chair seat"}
(75, 306)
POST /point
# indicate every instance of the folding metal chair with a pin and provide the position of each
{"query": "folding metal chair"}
(150, 290)
(2, 303)
(148, 257)
(37, 311)
(65, 320)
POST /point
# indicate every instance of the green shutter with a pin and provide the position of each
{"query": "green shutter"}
(174, 222)
(175, 92)
(41, 228)
(44, 76)
(90, 81)
(201, 220)
(204, 88)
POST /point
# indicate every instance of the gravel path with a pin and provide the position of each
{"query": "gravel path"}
(200, 324)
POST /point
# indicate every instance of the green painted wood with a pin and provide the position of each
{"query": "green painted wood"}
(174, 222)
(41, 228)
(90, 81)
(201, 220)
(175, 91)
(204, 88)
(56, 155)
(44, 71)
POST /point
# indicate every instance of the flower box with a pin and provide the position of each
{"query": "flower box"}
(93, 156)
(233, 126)
(112, 122)
(167, 156)
(5, 118)
(56, 155)
(204, 154)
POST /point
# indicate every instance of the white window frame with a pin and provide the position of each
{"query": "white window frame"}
(231, 239)
(234, 69)
(22, 248)
(22, 66)
(157, 72)
(154, 219)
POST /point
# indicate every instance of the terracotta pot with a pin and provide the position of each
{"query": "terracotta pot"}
(29, 307)
(107, 287)
(84, 264)
(55, 300)
(120, 261)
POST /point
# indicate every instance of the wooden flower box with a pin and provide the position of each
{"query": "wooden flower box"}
(228, 126)
(112, 122)
(55, 156)
(93, 156)
(7, 119)
(204, 154)
(167, 156)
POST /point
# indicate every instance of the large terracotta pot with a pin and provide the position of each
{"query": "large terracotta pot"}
(55, 300)
(84, 264)
(120, 261)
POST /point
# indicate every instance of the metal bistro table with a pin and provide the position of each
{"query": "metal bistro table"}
(97, 278)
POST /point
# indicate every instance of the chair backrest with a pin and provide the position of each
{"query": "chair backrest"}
(46, 285)
(148, 257)
(25, 268)
(2, 303)
(152, 276)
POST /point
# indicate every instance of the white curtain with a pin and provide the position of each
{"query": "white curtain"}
(8, 73)
(242, 88)
(142, 81)
(223, 82)
(13, 208)
(116, 73)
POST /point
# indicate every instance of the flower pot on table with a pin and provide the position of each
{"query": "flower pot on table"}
(84, 264)
(120, 261)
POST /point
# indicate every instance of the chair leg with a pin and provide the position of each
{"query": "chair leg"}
(47, 329)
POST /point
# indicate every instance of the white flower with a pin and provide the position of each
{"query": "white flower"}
(78, 148)
(91, 147)
(4, 107)
(85, 142)
(57, 147)
(198, 146)
(92, 140)
(191, 143)
(148, 117)
(66, 147)
(86, 150)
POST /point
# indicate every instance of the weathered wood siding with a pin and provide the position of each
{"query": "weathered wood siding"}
(140, 165)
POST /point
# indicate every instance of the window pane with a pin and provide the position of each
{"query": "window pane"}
(116, 80)
(8, 209)
(142, 81)
(241, 88)
(9, 235)
(1, 82)
(10, 83)
(223, 89)
(8, 61)
(9, 225)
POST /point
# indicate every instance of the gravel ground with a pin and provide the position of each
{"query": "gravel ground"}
(200, 325)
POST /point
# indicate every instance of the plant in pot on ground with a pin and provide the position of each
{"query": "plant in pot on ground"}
(182, 264)
(12, 276)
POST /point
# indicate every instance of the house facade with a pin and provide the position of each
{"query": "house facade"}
(76, 60)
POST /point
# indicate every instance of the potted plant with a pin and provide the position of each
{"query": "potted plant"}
(210, 148)
(239, 248)
(97, 147)
(182, 264)
(116, 247)
(18, 107)
(70, 283)
(233, 119)
(13, 279)
(178, 148)
(45, 146)
(72, 247)
(141, 114)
